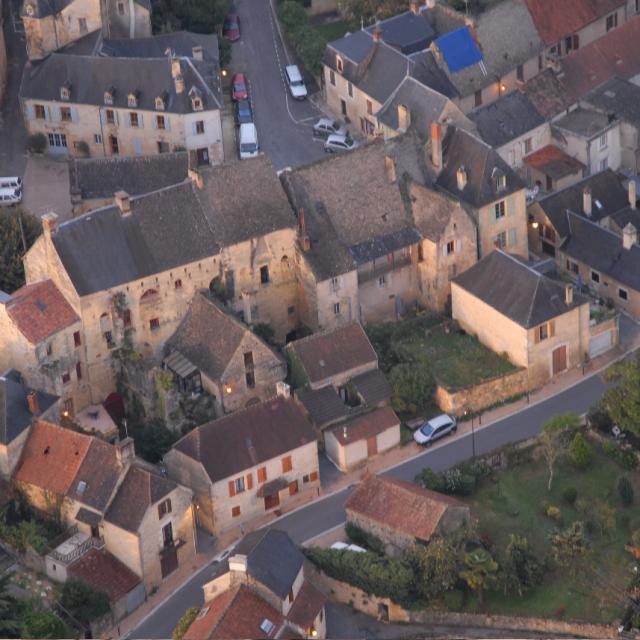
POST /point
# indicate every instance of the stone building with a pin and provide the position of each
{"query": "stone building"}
(247, 464)
(401, 513)
(4, 62)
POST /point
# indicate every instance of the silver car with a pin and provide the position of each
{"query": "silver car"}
(337, 142)
(326, 127)
(435, 428)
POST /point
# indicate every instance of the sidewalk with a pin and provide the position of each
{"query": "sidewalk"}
(383, 462)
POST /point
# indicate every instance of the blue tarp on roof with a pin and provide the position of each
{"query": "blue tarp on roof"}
(459, 49)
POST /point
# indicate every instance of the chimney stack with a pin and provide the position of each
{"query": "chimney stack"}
(123, 202)
(436, 144)
(238, 563)
(377, 32)
(32, 403)
(125, 450)
(568, 295)
(632, 193)
(461, 178)
(176, 74)
(283, 390)
(197, 53)
(390, 168)
(49, 223)
(414, 7)
(431, 4)
(586, 202)
(629, 236)
(404, 117)
(196, 177)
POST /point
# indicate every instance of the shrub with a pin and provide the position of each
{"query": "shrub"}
(569, 495)
(626, 458)
(413, 386)
(454, 600)
(429, 479)
(37, 143)
(184, 623)
(635, 538)
(306, 41)
(85, 603)
(598, 418)
(625, 491)
(38, 622)
(364, 538)
(553, 512)
(580, 452)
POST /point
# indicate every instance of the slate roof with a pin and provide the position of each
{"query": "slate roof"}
(239, 201)
(307, 605)
(555, 20)
(506, 119)
(461, 148)
(334, 352)
(104, 572)
(373, 386)
(243, 439)
(180, 42)
(324, 406)
(95, 178)
(607, 196)
(602, 251)
(547, 94)
(584, 123)
(618, 97)
(44, 8)
(554, 162)
(139, 490)
(407, 31)
(515, 290)
(366, 426)
(399, 505)
(15, 416)
(90, 76)
(39, 311)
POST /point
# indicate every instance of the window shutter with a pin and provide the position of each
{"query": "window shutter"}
(492, 214)
(249, 481)
(512, 237)
(74, 115)
(141, 121)
(154, 123)
(116, 118)
(103, 117)
(128, 120)
(193, 128)
(167, 123)
(232, 489)
(552, 328)
(458, 246)
(536, 335)
(444, 249)
(511, 206)
(31, 114)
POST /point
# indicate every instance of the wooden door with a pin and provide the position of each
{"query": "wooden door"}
(293, 488)
(168, 561)
(271, 501)
(559, 359)
(372, 446)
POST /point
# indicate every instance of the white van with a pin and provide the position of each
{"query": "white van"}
(11, 183)
(295, 82)
(248, 140)
(9, 196)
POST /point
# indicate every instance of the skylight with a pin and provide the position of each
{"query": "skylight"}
(267, 626)
(82, 486)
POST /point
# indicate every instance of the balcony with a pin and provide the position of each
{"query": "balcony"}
(382, 269)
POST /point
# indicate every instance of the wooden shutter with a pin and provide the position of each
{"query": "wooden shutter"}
(511, 206)
(140, 121)
(262, 474)
(552, 328)
(232, 489)
(74, 115)
(536, 335)
(31, 114)
(249, 481)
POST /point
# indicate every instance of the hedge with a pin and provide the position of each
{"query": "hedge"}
(308, 44)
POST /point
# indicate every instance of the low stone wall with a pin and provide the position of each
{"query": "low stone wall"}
(320, 7)
(482, 395)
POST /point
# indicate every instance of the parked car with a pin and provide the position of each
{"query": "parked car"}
(239, 87)
(326, 127)
(295, 82)
(231, 27)
(343, 546)
(248, 141)
(9, 196)
(337, 142)
(435, 428)
(243, 112)
(11, 182)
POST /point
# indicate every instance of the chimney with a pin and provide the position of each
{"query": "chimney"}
(404, 117)
(431, 4)
(123, 202)
(197, 53)
(283, 390)
(196, 177)
(377, 32)
(568, 295)
(125, 450)
(414, 7)
(436, 144)
(238, 563)
(461, 178)
(32, 403)
(49, 223)
(586, 202)
(176, 73)
(390, 168)
(629, 236)
(632, 193)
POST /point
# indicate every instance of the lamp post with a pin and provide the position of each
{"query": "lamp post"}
(473, 437)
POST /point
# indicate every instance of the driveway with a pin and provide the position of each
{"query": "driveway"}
(284, 125)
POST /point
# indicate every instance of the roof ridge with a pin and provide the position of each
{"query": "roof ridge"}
(591, 222)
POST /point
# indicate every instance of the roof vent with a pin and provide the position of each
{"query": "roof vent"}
(197, 53)
(586, 202)
(267, 626)
(321, 363)
(82, 487)
(123, 202)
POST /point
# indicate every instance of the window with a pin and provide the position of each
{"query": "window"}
(500, 240)
(622, 294)
(499, 210)
(248, 360)
(82, 25)
(235, 512)
(604, 163)
(305, 478)
(336, 309)
(200, 127)
(262, 474)
(58, 140)
(239, 485)
(65, 114)
(167, 535)
(382, 281)
(196, 104)
(120, 8)
(339, 65)
(67, 406)
(40, 112)
(637, 6)
(77, 341)
(451, 247)
(543, 332)
(612, 21)
(133, 119)
(97, 138)
(572, 266)
(79, 370)
(286, 464)
(332, 78)
(528, 146)
(477, 98)
(264, 275)
(291, 311)
(595, 276)
(501, 182)
(66, 377)
(126, 317)
(250, 378)
(453, 271)
(335, 284)
(520, 73)
(160, 122)
(110, 116)
(350, 89)
(178, 284)
(602, 142)
(163, 508)
(154, 324)
(369, 107)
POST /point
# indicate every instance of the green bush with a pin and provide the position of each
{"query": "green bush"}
(625, 491)
(364, 538)
(306, 41)
(461, 480)
(413, 386)
(37, 143)
(184, 623)
(85, 603)
(569, 495)
(38, 622)
(598, 418)
(454, 600)
(580, 452)
(626, 458)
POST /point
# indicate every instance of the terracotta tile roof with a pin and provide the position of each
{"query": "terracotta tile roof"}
(306, 606)
(52, 457)
(39, 310)
(547, 94)
(555, 20)
(366, 426)
(236, 613)
(330, 353)
(617, 53)
(554, 162)
(139, 490)
(105, 572)
(399, 505)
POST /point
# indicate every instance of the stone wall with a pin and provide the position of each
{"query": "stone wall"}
(4, 66)
(482, 395)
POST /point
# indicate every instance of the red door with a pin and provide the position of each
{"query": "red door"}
(372, 446)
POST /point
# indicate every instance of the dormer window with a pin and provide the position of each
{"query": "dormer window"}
(132, 99)
(339, 65)
(108, 95)
(500, 179)
(196, 99)
(65, 91)
(30, 10)
(161, 102)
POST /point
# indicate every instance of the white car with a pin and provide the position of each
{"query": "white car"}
(326, 127)
(435, 428)
(337, 142)
(343, 546)
(10, 196)
(297, 88)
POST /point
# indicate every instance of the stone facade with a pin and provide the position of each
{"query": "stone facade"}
(346, 457)
(504, 223)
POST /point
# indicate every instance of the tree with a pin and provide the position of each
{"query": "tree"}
(625, 491)
(481, 571)
(520, 568)
(9, 617)
(623, 400)
(555, 437)
(38, 622)
(18, 231)
(85, 603)
(153, 439)
(185, 622)
(201, 16)
(568, 544)
(370, 10)
(435, 567)
(580, 452)
(413, 386)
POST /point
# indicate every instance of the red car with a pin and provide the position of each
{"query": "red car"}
(231, 27)
(239, 87)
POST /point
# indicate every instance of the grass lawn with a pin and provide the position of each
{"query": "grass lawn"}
(332, 30)
(590, 590)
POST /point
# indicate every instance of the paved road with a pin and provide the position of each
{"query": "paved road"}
(283, 124)
(324, 514)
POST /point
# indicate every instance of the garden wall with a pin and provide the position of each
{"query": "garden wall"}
(320, 7)
(482, 395)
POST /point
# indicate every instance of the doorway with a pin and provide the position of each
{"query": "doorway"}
(271, 501)
(113, 145)
(202, 156)
(559, 357)
(372, 446)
